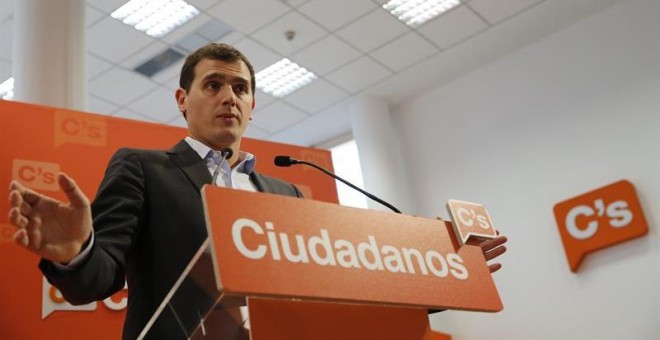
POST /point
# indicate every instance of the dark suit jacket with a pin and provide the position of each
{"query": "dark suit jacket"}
(148, 223)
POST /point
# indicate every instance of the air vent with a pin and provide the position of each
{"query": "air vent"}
(159, 62)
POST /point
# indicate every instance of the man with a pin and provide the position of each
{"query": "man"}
(147, 217)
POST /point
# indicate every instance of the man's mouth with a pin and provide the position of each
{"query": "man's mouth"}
(228, 116)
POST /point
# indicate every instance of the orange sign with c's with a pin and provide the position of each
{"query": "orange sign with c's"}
(599, 219)
(471, 220)
(38, 142)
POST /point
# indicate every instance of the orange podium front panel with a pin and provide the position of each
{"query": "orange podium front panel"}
(307, 266)
(274, 246)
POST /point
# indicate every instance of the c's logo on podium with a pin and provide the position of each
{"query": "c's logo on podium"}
(78, 128)
(52, 300)
(598, 219)
(36, 175)
(470, 220)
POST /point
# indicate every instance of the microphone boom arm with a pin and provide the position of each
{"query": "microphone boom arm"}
(328, 172)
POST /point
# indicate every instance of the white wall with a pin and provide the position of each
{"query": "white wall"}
(575, 111)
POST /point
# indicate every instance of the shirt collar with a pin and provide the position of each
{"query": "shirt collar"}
(246, 160)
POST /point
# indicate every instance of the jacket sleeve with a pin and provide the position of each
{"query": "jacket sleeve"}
(118, 213)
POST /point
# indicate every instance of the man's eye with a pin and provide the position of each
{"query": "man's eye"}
(241, 88)
(212, 85)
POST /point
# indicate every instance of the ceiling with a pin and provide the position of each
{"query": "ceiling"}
(354, 46)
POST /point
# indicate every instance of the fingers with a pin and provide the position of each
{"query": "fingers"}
(492, 249)
(490, 244)
(17, 219)
(16, 201)
(494, 267)
(494, 253)
(21, 238)
(26, 194)
(20, 210)
(72, 191)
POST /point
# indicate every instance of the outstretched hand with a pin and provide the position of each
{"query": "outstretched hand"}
(52, 229)
(492, 249)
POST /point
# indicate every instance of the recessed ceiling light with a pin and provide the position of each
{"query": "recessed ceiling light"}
(155, 17)
(283, 77)
(7, 89)
(416, 12)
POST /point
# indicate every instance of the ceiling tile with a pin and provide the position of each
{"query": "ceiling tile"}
(172, 84)
(358, 75)
(202, 4)
(120, 86)
(295, 3)
(159, 105)
(182, 31)
(148, 52)
(128, 114)
(178, 121)
(274, 35)
(98, 105)
(325, 125)
(404, 51)
(263, 99)
(231, 38)
(214, 29)
(326, 55)
(255, 132)
(316, 96)
(259, 56)
(107, 6)
(453, 27)
(496, 11)
(276, 116)
(6, 39)
(191, 42)
(96, 66)
(114, 40)
(248, 16)
(92, 15)
(373, 30)
(336, 13)
(170, 76)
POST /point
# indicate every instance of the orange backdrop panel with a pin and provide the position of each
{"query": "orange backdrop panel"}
(38, 141)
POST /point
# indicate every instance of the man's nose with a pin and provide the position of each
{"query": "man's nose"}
(227, 95)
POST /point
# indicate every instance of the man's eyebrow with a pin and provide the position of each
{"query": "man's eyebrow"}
(223, 76)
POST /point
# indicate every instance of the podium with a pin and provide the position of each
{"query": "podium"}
(315, 270)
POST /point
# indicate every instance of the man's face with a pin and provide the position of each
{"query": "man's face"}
(219, 103)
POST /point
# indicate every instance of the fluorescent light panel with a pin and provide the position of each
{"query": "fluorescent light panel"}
(416, 12)
(7, 89)
(283, 77)
(155, 17)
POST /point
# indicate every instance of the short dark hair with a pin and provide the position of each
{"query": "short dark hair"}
(212, 51)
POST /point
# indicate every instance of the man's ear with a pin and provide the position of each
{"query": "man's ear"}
(254, 102)
(181, 100)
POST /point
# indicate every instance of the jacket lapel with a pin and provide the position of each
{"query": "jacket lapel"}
(261, 185)
(189, 162)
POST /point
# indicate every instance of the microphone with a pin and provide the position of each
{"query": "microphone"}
(225, 153)
(285, 161)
